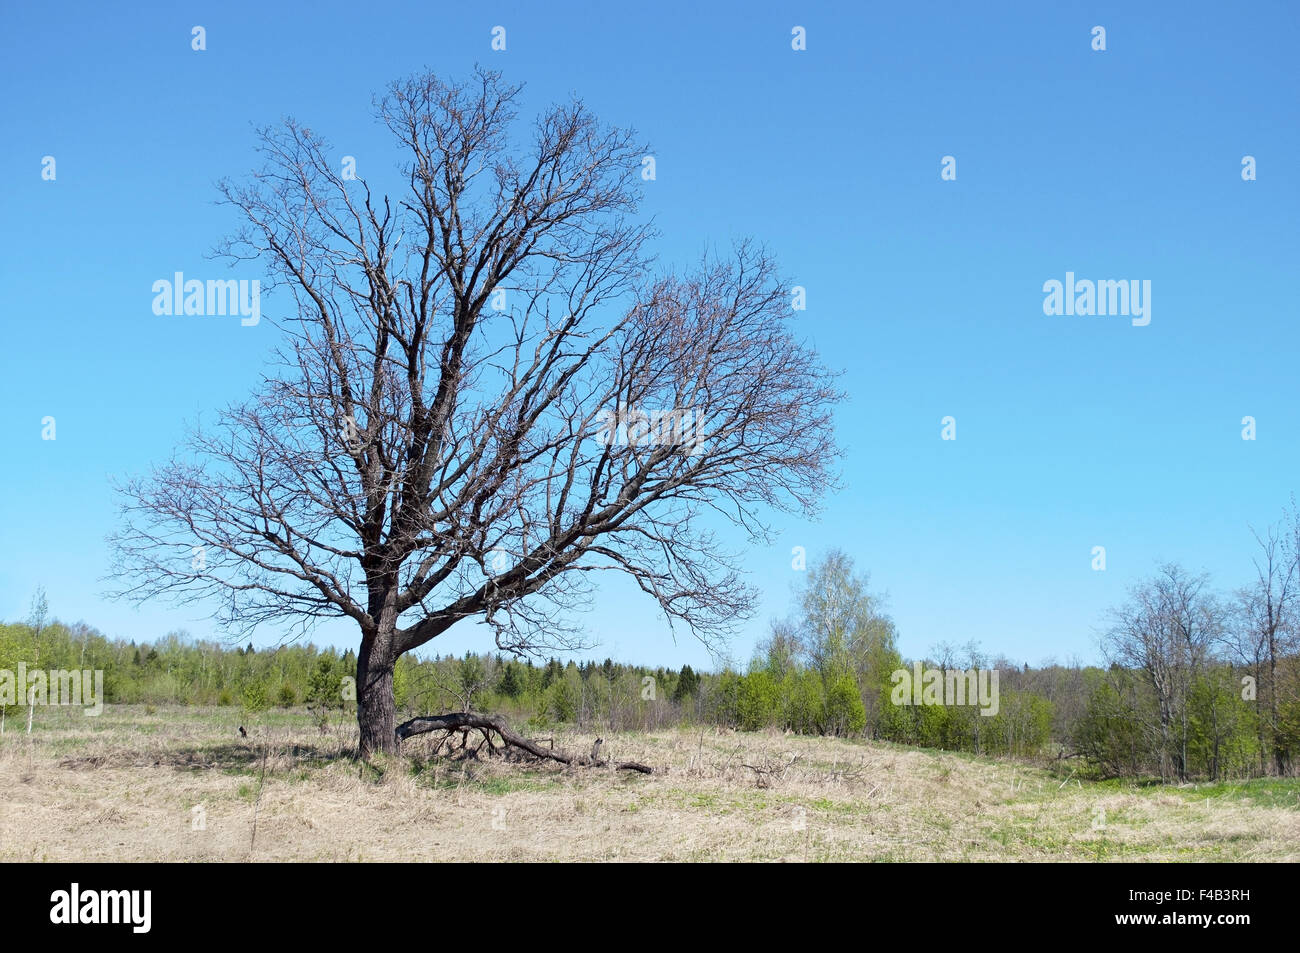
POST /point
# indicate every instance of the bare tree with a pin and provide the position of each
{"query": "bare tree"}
(782, 650)
(461, 422)
(1166, 631)
(1265, 618)
(36, 620)
(842, 627)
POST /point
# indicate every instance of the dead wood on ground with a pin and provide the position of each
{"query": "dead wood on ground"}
(487, 725)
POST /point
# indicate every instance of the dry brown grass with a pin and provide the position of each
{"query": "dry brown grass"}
(122, 788)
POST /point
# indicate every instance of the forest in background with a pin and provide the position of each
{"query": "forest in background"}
(1197, 685)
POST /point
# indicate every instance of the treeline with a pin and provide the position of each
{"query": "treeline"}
(1200, 684)
(776, 692)
(178, 670)
(1196, 684)
(1110, 717)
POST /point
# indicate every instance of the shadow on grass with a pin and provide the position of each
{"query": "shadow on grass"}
(236, 757)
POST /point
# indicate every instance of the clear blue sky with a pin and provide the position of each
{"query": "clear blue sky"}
(1072, 431)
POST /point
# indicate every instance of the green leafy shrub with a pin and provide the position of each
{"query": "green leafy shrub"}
(845, 713)
(803, 706)
(560, 702)
(756, 701)
(255, 697)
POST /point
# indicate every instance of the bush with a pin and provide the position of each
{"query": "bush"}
(1022, 725)
(1109, 734)
(724, 699)
(255, 697)
(803, 709)
(287, 697)
(560, 702)
(845, 713)
(325, 684)
(756, 701)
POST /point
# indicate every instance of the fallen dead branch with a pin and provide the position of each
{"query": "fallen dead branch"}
(770, 770)
(487, 725)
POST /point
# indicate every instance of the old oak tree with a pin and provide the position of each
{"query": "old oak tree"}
(427, 445)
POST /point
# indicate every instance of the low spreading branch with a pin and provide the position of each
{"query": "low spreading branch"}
(466, 721)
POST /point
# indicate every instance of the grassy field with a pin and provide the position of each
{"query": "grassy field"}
(180, 784)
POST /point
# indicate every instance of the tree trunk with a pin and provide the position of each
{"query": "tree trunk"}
(376, 710)
(1279, 752)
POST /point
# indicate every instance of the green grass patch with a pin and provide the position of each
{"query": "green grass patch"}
(1258, 792)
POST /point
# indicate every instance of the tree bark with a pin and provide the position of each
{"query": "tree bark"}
(376, 710)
